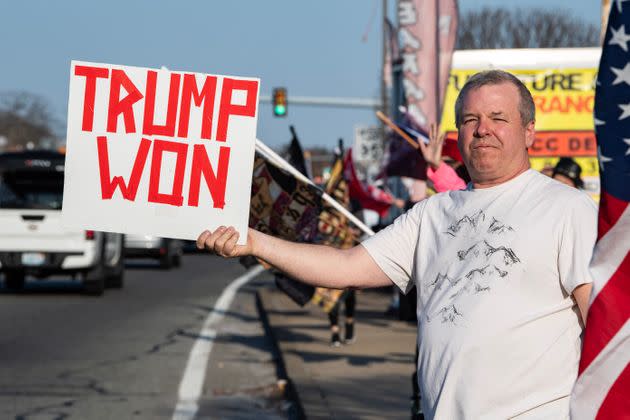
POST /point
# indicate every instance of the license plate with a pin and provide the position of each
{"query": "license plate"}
(33, 258)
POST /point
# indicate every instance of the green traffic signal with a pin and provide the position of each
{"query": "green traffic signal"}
(280, 110)
(280, 102)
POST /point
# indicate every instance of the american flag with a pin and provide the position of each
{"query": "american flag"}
(602, 390)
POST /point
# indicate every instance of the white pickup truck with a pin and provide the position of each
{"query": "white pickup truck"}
(32, 238)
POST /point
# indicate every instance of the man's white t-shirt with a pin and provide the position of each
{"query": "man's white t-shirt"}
(494, 268)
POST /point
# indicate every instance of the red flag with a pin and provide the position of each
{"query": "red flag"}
(602, 390)
(369, 197)
(427, 34)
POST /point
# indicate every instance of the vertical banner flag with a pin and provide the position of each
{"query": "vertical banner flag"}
(427, 34)
(295, 155)
(602, 390)
(158, 152)
(447, 33)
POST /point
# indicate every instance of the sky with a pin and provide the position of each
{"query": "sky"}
(314, 48)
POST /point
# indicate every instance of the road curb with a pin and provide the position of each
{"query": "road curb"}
(368, 380)
(297, 410)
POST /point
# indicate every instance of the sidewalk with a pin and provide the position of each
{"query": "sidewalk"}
(370, 379)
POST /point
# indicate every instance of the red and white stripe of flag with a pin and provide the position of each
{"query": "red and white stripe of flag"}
(602, 390)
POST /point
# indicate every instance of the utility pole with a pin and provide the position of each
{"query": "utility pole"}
(385, 46)
(397, 76)
(384, 101)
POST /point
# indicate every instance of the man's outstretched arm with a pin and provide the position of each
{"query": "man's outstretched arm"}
(317, 265)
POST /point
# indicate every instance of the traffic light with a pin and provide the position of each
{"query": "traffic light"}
(280, 103)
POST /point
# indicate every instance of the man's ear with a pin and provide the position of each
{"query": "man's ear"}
(530, 134)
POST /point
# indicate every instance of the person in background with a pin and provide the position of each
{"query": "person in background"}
(443, 175)
(547, 170)
(568, 172)
(333, 316)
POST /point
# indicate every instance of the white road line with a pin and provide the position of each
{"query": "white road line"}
(191, 386)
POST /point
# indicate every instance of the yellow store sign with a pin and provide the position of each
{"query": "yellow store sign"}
(562, 82)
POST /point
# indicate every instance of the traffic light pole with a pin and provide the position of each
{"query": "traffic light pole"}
(329, 101)
(384, 103)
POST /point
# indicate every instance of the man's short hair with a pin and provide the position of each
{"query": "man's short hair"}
(526, 106)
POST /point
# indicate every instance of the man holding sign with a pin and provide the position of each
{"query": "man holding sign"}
(158, 152)
(501, 268)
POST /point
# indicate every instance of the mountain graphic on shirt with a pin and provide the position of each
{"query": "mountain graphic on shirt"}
(447, 314)
(483, 248)
(466, 224)
(470, 287)
(440, 279)
(482, 261)
(509, 257)
(479, 288)
(498, 227)
(472, 252)
(478, 280)
(485, 272)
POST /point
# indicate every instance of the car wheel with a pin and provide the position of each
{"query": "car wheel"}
(166, 261)
(115, 279)
(177, 260)
(94, 282)
(14, 280)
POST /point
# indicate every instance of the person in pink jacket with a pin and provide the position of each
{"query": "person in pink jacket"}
(442, 175)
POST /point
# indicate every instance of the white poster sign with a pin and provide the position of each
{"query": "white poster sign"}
(368, 151)
(158, 152)
(368, 144)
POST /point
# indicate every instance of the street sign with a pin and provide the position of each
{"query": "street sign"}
(368, 149)
(368, 144)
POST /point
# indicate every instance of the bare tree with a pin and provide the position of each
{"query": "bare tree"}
(26, 120)
(532, 28)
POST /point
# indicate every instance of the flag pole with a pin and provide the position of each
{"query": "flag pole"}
(397, 129)
(266, 151)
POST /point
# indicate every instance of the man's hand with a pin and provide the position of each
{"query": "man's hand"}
(223, 242)
(432, 152)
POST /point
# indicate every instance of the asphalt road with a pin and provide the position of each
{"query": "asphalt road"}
(66, 355)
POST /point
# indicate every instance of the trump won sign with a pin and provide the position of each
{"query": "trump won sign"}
(158, 152)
